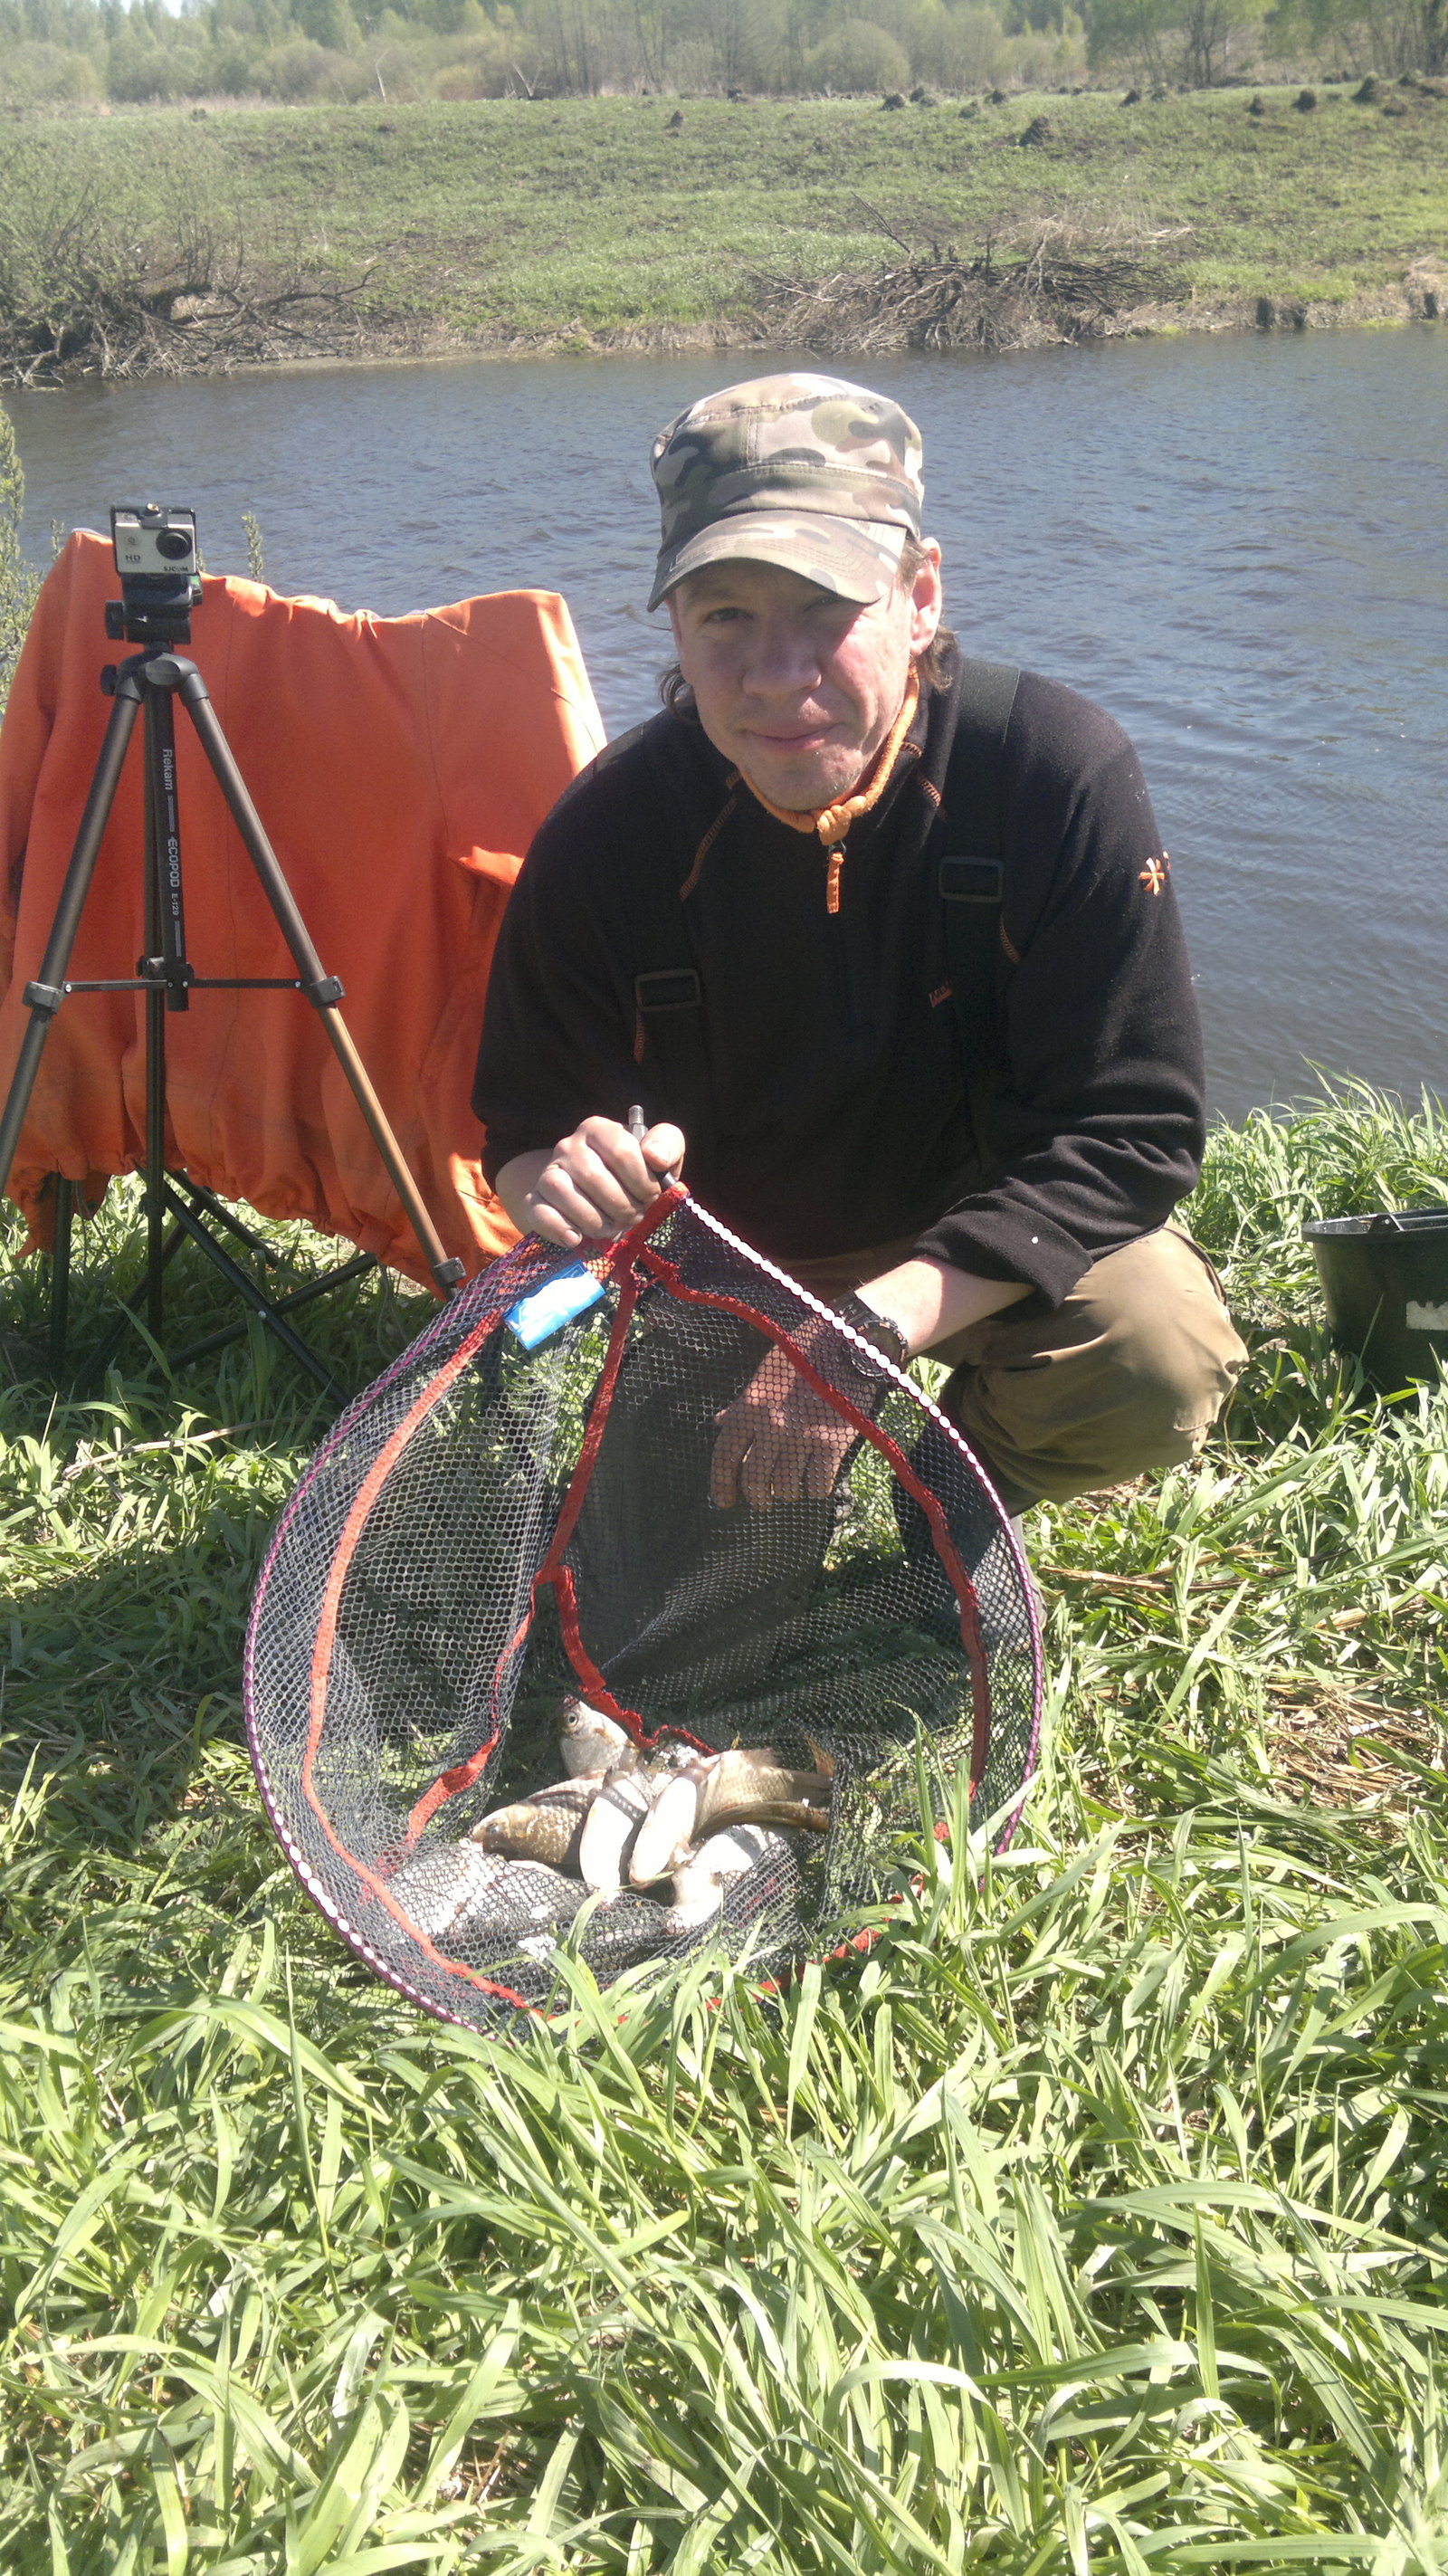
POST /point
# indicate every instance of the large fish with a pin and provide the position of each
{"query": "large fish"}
(545, 1827)
(718, 1792)
(756, 1777)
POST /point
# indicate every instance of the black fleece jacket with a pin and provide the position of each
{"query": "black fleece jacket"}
(840, 1118)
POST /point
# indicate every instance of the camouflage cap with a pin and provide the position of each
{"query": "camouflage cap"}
(820, 476)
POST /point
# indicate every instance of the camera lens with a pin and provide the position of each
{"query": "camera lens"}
(173, 543)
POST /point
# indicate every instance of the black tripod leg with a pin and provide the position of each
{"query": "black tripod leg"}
(207, 1203)
(43, 997)
(255, 1297)
(320, 988)
(306, 1295)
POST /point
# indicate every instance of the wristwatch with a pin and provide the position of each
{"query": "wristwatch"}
(881, 1331)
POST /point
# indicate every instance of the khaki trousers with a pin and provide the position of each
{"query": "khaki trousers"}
(1127, 1377)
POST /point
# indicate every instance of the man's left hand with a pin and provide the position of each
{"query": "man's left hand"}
(778, 1442)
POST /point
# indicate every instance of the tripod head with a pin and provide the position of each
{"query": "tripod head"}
(155, 552)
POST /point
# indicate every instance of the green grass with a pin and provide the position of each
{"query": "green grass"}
(1095, 2224)
(499, 219)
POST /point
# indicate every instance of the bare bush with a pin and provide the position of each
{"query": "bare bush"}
(80, 296)
(962, 49)
(1059, 285)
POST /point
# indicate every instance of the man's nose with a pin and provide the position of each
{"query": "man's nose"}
(783, 657)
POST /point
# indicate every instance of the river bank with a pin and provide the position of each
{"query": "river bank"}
(159, 241)
(851, 318)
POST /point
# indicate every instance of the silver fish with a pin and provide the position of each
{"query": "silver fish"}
(721, 1791)
(698, 1887)
(591, 1744)
(668, 1828)
(535, 1894)
(545, 1827)
(457, 1887)
(613, 1819)
(440, 1888)
(739, 1784)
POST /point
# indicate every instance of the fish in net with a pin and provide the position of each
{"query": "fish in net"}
(515, 1680)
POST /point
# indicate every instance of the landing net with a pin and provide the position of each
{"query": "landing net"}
(502, 1585)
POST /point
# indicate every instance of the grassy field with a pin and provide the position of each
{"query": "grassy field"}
(1096, 2225)
(492, 223)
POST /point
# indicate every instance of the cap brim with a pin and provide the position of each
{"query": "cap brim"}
(857, 559)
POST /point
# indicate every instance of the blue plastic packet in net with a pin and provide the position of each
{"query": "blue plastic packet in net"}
(546, 1310)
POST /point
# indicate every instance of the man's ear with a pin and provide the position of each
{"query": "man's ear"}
(927, 599)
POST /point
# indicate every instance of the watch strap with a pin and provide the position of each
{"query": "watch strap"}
(881, 1331)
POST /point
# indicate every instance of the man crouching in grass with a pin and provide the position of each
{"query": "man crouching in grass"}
(958, 1095)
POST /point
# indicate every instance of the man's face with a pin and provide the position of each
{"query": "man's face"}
(794, 686)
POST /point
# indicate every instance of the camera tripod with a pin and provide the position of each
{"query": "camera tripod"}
(178, 1209)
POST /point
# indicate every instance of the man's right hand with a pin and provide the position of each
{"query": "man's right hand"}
(594, 1184)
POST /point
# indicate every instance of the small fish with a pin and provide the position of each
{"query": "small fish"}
(613, 1819)
(438, 1889)
(698, 1886)
(545, 1827)
(591, 1744)
(741, 1782)
(721, 1791)
(668, 1828)
(530, 1891)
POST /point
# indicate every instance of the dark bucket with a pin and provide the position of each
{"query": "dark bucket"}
(1385, 1286)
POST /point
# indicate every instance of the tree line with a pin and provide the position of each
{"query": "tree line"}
(83, 51)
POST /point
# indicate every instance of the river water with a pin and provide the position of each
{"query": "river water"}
(1236, 544)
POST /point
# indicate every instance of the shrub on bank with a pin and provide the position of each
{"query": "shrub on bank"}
(71, 50)
(858, 56)
(32, 73)
(540, 51)
(19, 583)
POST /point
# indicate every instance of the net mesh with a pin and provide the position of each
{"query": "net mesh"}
(503, 1584)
